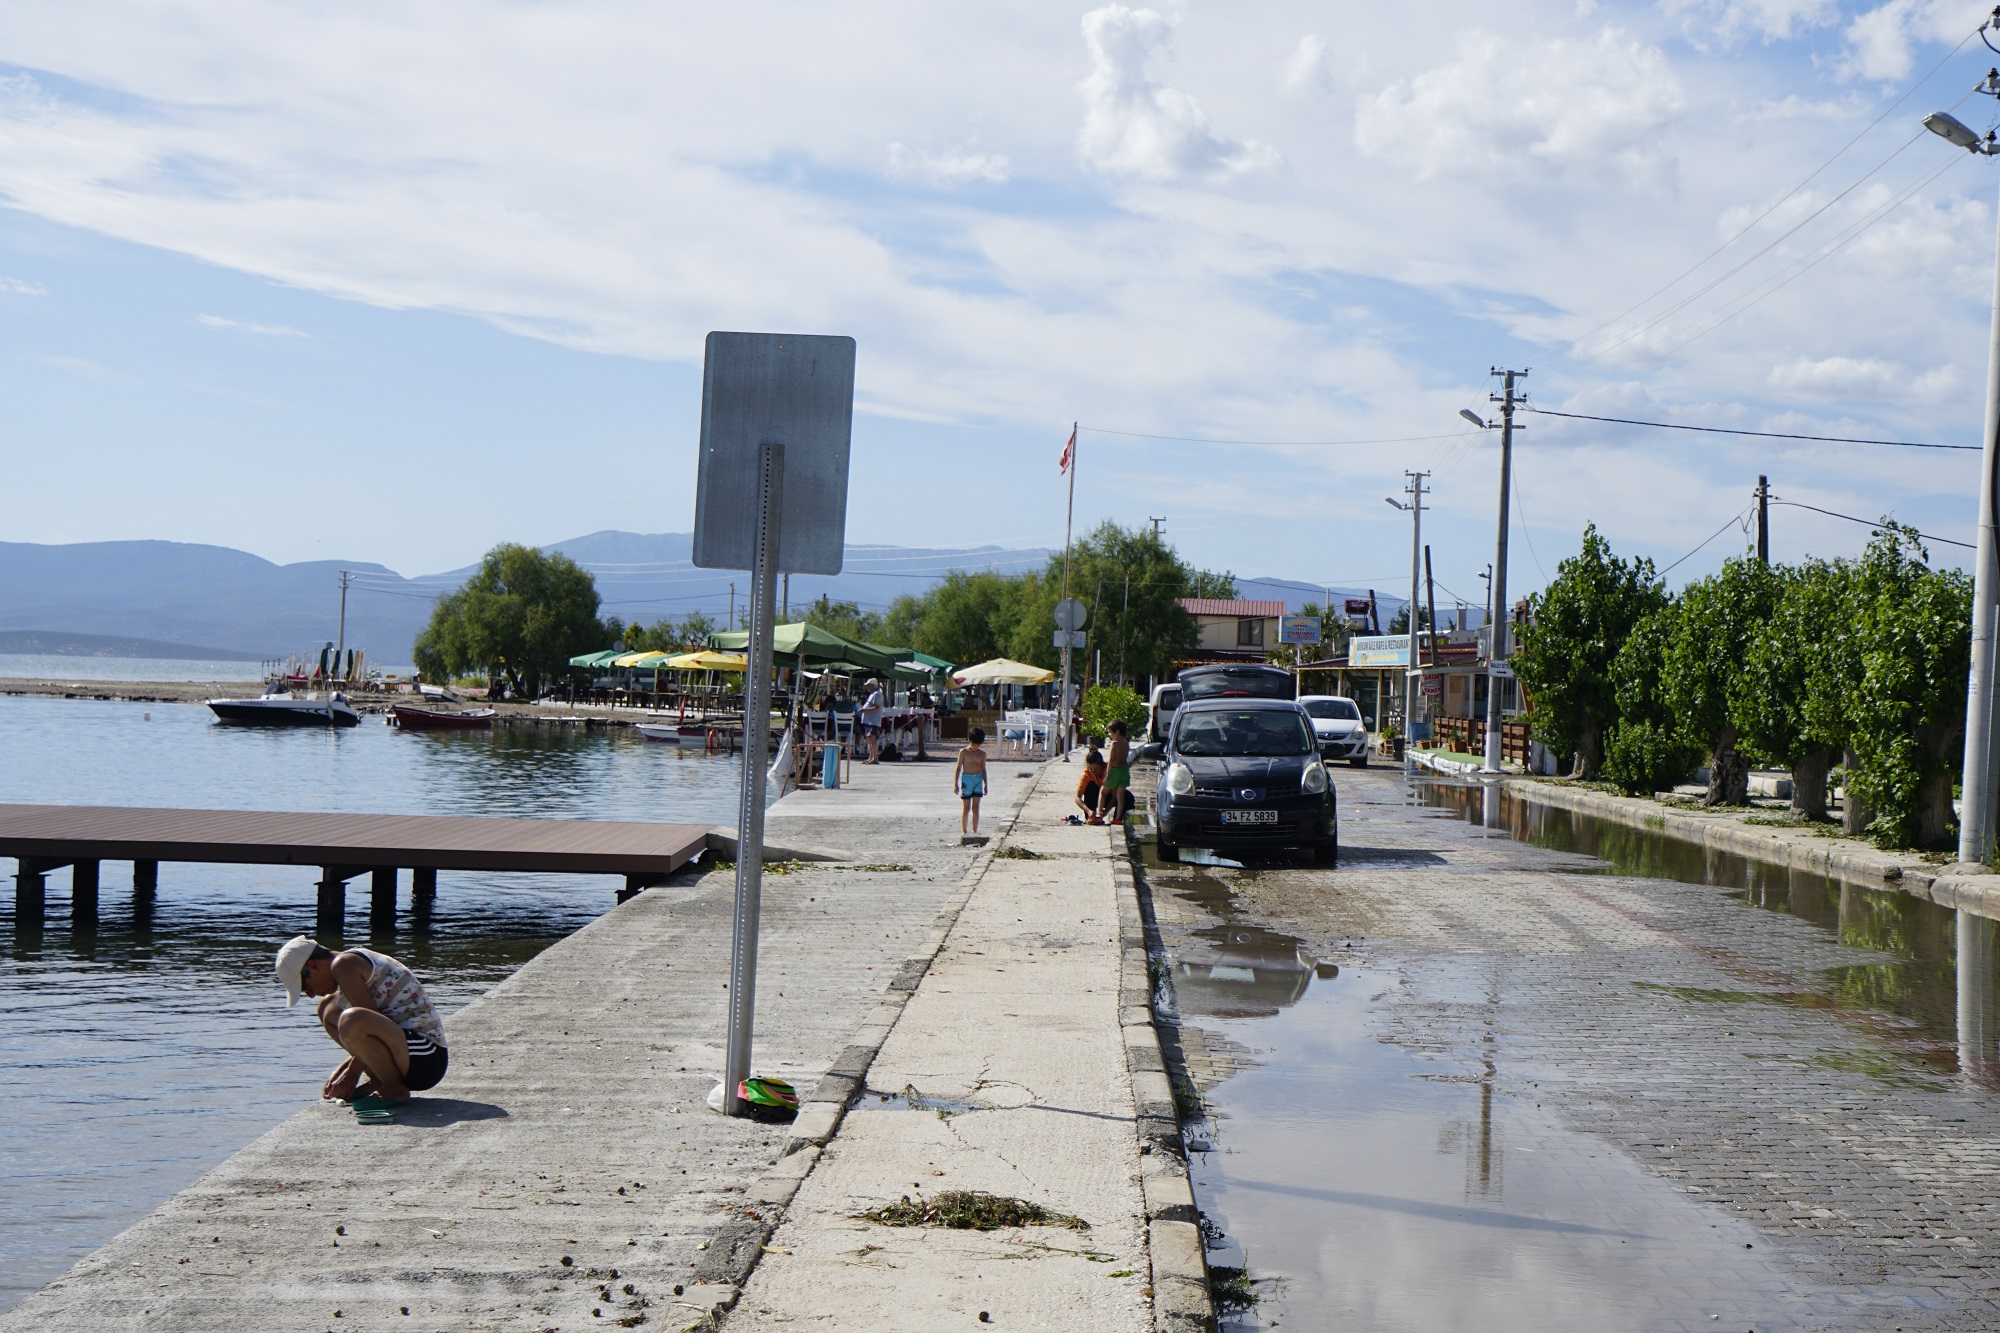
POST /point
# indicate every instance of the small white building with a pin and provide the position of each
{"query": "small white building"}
(1232, 627)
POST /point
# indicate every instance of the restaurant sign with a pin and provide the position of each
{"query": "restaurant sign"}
(1385, 650)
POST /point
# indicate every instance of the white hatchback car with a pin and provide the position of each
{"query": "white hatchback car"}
(1339, 727)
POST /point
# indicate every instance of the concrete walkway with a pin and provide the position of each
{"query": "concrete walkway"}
(567, 1174)
(1005, 1073)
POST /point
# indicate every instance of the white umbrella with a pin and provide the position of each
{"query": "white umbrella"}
(1003, 671)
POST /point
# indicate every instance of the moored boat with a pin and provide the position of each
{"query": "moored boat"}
(411, 718)
(279, 707)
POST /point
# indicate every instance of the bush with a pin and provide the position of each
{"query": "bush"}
(1646, 757)
(1104, 704)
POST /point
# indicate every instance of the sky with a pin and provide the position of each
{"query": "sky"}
(395, 283)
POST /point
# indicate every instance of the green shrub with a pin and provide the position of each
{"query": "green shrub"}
(1646, 757)
(1105, 704)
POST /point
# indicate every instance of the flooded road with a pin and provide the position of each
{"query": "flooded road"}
(1480, 1078)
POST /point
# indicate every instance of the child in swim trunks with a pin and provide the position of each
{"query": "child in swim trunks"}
(1116, 797)
(968, 779)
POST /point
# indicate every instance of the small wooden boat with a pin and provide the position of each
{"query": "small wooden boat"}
(685, 733)
(411, 718)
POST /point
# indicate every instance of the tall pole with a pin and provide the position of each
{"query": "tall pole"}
(1975, 825)
(1498, 661)
(750, 807)
(1763, 519)
(1415, 490)
(788, 598)
(1069, 517)
(340, 646)
(1156, 524)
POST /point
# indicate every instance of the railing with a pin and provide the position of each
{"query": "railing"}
(1467, 735)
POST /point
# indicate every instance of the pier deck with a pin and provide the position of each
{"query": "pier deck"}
(45, 837)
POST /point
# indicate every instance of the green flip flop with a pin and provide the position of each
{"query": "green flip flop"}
(373, 1103)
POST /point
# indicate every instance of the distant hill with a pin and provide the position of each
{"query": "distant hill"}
(46, 643)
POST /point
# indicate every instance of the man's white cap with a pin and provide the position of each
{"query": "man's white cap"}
(292, 957)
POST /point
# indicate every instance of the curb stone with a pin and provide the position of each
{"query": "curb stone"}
(1182, 1302)
(737, 1245)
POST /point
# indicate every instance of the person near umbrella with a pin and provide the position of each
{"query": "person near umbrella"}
(871, 721)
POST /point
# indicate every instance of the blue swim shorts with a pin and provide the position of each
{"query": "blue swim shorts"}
(971, 785)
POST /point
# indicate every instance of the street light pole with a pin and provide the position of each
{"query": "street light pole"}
(1497, 656)
(1415, 509)
(1975, 826)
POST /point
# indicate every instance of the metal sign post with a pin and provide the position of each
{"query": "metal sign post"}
(1070, 615)
(774, 408)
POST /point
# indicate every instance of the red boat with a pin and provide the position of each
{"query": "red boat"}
(411, 718)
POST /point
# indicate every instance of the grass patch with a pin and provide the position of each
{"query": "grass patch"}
(1232, 1290)
(770, 867)
(969, 1210)
(1013, 853)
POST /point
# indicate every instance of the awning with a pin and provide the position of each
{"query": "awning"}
(602, 659)
(646, 660)
(1004, 671)
(708, 660)
(815, 643)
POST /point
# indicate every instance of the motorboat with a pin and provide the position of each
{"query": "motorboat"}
(279, 707)
(411, 718)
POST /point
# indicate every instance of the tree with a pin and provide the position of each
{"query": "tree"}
(1912, 626)
(1105, 704)
(692, 632)
(1133, 584)
(844, 618)
(1576, 628)
(1702, 679)
(966, 618)
(1333, 632)
(522, 616)
(1647, 751)
(1800, 673)
(1208, 583)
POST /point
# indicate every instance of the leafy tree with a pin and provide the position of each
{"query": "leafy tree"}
(1912, 625)
(1105, 704)
(522, 616)
(1646, 751)
(692, 632)
(1208, 583)
(1800, 674)
(1577, 626)
(966, 618)
(1133, 583)
(1702, 680)
(844, 618)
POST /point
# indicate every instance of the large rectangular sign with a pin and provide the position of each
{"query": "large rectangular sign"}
(1298, 629)
(1382, 650)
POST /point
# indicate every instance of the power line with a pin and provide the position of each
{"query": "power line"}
(1761, 434)
(1870, 523)
(1734, 519)
(1271, 444)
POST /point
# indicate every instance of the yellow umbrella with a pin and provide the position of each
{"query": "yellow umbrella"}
(1003, 671)
(647, 660)
(708, 661)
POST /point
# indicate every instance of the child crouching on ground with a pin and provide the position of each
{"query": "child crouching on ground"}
(1089, 784)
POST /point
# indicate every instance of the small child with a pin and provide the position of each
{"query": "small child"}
(1113, 800)
(1089, 784)
(968, 779)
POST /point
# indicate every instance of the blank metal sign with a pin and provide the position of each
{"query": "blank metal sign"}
(775, 388)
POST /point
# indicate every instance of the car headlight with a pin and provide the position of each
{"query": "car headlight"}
(1314, 780)
(1180, 779)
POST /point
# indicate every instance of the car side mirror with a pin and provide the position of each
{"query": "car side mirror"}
(1149, 751)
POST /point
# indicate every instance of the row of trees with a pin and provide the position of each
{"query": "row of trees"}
(1860, 663)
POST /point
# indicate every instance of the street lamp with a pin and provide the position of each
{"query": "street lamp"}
(1473, 417)
(1975, 826)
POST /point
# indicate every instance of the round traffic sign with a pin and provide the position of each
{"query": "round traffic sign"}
(1070, 614)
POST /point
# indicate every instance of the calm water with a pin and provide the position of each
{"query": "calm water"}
(141, 1056)
(44, 666)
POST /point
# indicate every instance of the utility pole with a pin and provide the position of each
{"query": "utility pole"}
(1430, 605)
(340, 647)
(732, 607)
(1068, 465)
(1415, 490)
(1156, 524)
(1763, 519)
(788, 599)
(1508, 400)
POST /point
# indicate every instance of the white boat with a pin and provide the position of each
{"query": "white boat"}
(279, 707)
(670, 734)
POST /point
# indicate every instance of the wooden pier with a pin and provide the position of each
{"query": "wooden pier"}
(43, 838)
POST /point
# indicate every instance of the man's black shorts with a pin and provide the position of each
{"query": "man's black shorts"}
(427, 1062)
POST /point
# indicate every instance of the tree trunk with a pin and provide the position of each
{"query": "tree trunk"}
(1589, 752)
(1809, 784)
(1728, 772)
(1855, 814)
(1937, 828)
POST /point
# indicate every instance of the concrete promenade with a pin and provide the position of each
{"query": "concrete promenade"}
(566, 1175)
(1006, 1073)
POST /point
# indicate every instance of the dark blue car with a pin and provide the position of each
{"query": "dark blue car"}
(1244, 775)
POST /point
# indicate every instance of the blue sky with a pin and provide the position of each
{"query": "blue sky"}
(387, 284)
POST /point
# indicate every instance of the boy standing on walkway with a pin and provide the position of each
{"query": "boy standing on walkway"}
(968, 779)
(1116, 797)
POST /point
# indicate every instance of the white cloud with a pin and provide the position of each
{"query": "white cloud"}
(238, 326)
(1881, 43)
(953, 166)
(1309, 66)
(21, 287)
(1720, 22)
(1861, 377)
(1589, 105)
(1134, 125)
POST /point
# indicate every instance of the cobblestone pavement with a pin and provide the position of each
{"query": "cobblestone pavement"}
(1659, 1038)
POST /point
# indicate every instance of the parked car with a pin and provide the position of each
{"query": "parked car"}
(1244, 775)
(1160, 710)
(1237, 680)
(1337, 722)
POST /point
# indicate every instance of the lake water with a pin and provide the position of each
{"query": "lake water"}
(140, 1056)
(48, 666)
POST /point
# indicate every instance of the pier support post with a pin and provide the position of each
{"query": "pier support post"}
(423, 885)
(31, 894)
(145, 879)
(382, 899)
(83, 896)
(331, 917)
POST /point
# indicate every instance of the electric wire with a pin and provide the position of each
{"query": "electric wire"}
(1871, 523)
(1268, 444)
(1734, 519)
(1760, 434)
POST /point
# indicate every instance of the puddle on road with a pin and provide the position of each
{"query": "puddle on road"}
(1920, 986)
(1365, 1186)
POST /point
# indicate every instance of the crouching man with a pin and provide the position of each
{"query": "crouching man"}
(375, 1009)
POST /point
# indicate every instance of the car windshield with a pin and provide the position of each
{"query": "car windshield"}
(1342, 710)
(1262, 731)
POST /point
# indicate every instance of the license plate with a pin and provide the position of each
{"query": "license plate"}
(1249, 816)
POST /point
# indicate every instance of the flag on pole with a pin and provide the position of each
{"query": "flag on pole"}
(1069, 452)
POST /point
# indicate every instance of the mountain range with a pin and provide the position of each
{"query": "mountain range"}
(91, 594)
